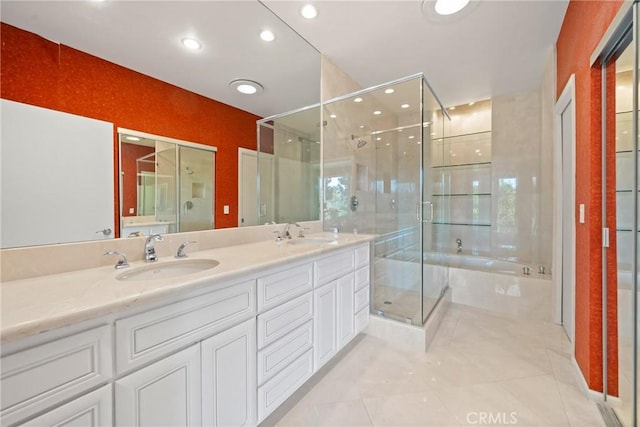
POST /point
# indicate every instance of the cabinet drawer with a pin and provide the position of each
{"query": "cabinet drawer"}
(281, 353)
(279, 287)
(361, 300)
(362, 256)
(91, 410)
(151, 334)
(279, 388)
(42, 376)
(362, 278)
(332, 267)
(283, 319)
(362, 319)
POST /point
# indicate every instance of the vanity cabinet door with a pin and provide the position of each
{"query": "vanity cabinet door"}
(345, 287)
(166, 393)
(229, 379)
(324, 324)
(91, 410)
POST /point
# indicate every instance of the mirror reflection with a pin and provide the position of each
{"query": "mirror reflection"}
(289, 167)
(121, 77)
(166, 186)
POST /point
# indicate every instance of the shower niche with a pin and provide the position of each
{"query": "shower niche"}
(166, 185)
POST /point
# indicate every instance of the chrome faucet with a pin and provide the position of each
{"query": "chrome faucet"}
(285, 230)
(180, 253)
(459, 243)
(122, 262)
(149, 250)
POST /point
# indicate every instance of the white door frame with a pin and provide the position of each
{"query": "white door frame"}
(566, 99)
(241, 153)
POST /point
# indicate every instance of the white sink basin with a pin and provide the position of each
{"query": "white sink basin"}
(168, 269)
(305, 241)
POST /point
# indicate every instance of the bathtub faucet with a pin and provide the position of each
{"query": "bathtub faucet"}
(459, 243)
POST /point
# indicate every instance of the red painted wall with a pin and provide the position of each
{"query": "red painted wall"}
(39, 72)
(584, 25)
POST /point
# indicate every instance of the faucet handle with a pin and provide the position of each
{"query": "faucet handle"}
(180, 253)
(301, 231)
(122, 262)
(279, 237)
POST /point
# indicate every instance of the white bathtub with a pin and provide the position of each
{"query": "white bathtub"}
(481, 263)
(493, 285)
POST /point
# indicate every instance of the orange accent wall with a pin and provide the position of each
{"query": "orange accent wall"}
(46, 74)
(584, 25)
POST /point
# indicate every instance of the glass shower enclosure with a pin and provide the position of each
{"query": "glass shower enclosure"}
(380, 155)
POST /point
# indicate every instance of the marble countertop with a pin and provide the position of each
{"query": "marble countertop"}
(35, 305)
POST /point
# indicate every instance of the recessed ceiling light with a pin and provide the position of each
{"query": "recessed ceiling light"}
(267, 35)
(247, 87)
(411, 136)
(449, 7)
(471, 103)
(358, 99)
(309, 11)
(377, 113)
(132, 138)
(361, 126)
(390, 90)
(405, 106)
(333, 116)
(452, 108)
(378, 139)
(433, 134)
(387, 144)
(191, 43)
(418, 142)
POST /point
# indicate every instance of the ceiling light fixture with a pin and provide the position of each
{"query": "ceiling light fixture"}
(333, 116)
(388, 91)
(452, 108)
(247, 87)
(377, 113)
(191, 43)
(449, 7)
(405, 106)
(358, 99)
(267, 35)
(309, 11)
(132, 138)
(471, 103)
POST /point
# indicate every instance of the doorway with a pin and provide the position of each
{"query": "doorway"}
(565, 210)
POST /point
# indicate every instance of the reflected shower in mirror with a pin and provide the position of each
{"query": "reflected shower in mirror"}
(289, 167)
(166, 185)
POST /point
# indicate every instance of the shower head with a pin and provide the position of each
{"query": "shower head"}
(360, 142)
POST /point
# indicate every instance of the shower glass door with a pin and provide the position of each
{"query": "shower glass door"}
(619, 65)
(196, 169)
(377, 180)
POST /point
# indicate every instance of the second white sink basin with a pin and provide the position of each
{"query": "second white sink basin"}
(168, 269)
(305, 241)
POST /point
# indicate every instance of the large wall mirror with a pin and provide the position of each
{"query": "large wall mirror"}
(122, 63)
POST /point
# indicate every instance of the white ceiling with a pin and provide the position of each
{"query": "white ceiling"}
(493, 48)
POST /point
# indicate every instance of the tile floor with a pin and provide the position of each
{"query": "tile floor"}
(482, 368)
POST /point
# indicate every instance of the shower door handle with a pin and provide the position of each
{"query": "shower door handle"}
(419, 213)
